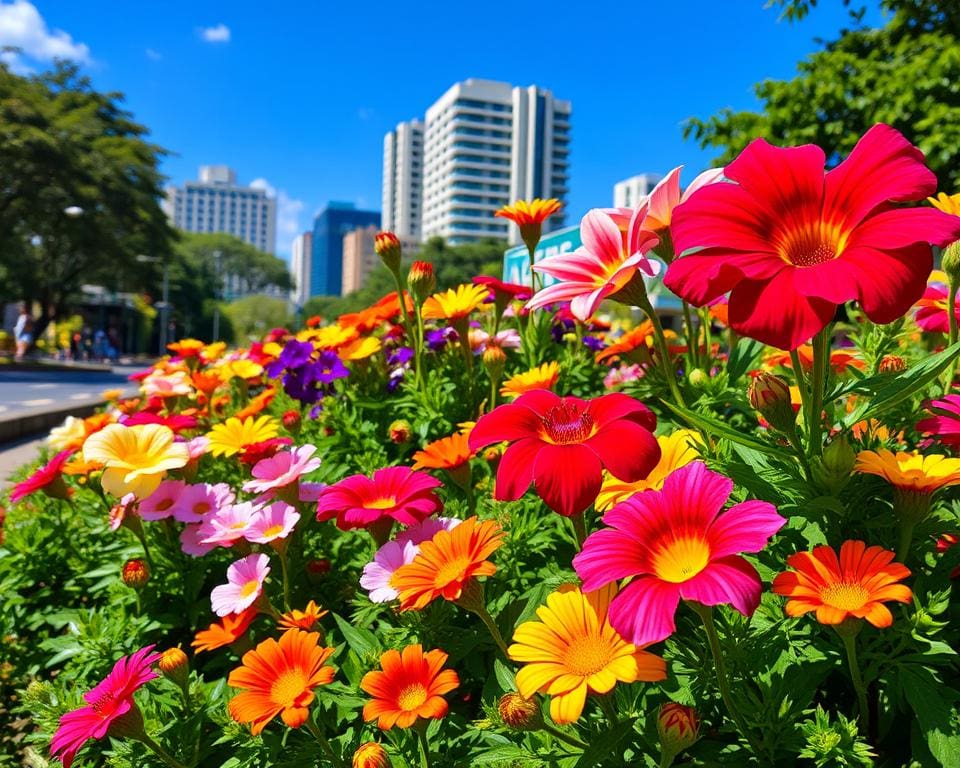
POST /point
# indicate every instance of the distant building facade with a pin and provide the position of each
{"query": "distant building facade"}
(403, 179)
(300, 258)
(360, 258)
(216, 203)
(326, 258)
(630, 192)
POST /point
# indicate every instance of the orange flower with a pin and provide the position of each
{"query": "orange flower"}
(373, 316)
(186, 347)
(447, 563)
(224, 632)
(278, 678)
(544, 377)
(456, 303)
(410, 686)
(257, 404)
(857, 584)
(910, 472)
(206, 381)
(840, 359)
(445, 453)
(641, 336)
(304, 619)
(524, 212)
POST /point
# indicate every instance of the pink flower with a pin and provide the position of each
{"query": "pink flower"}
(281, 470)
(47, 479)
(162, 503)
(197, 446)
(272, 522)
(608, 259)
(108, 702)
(933, 309)
(159, 384)
(666, 196)
(677, 543)
(622, 374)
(310, 492)
(398, 493)
(244, 585)
(945, 422)
(228, 524)
(401, 551)
(198, 501)
(480, 339)
(191, 541)
(123, 508)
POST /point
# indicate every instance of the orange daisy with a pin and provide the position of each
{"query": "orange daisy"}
(573, 650)
(411, 686)
(456, 303)
(911, 473)
(257, 404)
(525, 212)
(641, 336)
(304, 619)
(840, 359)
(543, 377)
(447, 563)
(224, 632)
(857, 584)
(446, 453)
(186, 347)
(278, 678)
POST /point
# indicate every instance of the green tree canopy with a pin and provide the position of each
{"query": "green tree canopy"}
(905, 73)
(65, 147)
(252, 316)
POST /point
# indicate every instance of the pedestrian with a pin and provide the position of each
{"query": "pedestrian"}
(23, 332)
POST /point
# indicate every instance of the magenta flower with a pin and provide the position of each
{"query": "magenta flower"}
(945, 422)
(198, 501)
(275, 521)
(396, 493)
(677, 543)
(227, 524)
(162, 503)
(608, 259)
(244, 585)
(192, 543)
(282, 469)
(109, 701)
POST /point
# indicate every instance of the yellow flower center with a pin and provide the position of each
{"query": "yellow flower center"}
(846, 597)
(288, 687)
(451, 571)
(164, 505)
(249, 588)
(273, 530)
(381, 503)
(811, 245)
(238, 526)
(412, 697)
(586, 656)
(681, 559)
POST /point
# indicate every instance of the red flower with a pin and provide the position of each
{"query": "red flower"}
(393, 493)
(791, 244)
(254, 453)
(563, 444)
(47, 479)
(177, 422)
(507, 290)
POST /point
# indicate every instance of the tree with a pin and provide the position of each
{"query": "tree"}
(68, 149)
(905, 73)
(252, 316)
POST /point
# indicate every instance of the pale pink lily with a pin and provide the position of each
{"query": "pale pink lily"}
(606, 262)
(666, 196)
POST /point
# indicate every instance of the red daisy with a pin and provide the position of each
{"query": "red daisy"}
(791, 243)
(391, 493)
(47, 479)
(563, 444)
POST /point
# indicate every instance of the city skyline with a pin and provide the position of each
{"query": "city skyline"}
(223, 84)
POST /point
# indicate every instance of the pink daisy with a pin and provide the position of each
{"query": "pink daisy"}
(394, 493)
(192, 543)
(198, 501)
(162, 503)
(945, 421)
(121, 510)
(228, 524)
(275, 521)
(48, 479)
(244, 585)
(281, 470)
(677, 543)
(108, 702)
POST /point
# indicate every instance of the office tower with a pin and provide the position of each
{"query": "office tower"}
(360, 258)
(403, 179)
(300, 254)
(630, 192)
(326, 258)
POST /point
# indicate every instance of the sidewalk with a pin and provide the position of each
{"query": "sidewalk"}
(14, 455)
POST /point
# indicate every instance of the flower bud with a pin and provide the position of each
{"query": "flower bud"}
(494, 360)
(770, 395)
(292, 421)
(400, 432)
(892, 364)
(679, 728)
(518, 712)
(317, 569)
(492, 456)
(698, 378)
(135, 573)
(833, 470)
(371, 755)
(387, 247)
(174, 665)
(421, 281)
(314, 321)
(950, 263)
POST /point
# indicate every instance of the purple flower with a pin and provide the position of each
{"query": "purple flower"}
(294, 355)
(329, 368)
(401, 356)
(593, 343)
(438, 338)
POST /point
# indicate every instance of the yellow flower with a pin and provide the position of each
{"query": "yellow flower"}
(910, 471)
(573, 650)
(230, 437)
(272, 349)
(360, 349)
(524, 212)
(456, 303)
(70, 434)
(240, 369)
(333, 336)
(946, 203)
(111, 394)
(135, 459)
(544, 377)
(213, 351)
(676, 450)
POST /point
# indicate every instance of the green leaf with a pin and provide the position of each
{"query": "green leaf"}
(724, 431)
(505, 676)
(520, 757)
(361, 641)
(605, 744)
(742, 358)
(936, 713)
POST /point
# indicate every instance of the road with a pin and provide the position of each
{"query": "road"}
(23, 392)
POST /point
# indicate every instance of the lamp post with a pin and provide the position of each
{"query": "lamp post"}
(164, 305)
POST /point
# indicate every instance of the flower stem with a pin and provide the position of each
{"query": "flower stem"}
(282, 553)
(160, 752)
(693, 341)
(906, 539)
(952, 320)
(421, 729)
(579, 529)
(324, 744)
(850, 644)
(606, 704)
(662, 347)
(566, 738)
(491, 626)
(821, 359)
(801, 384)
(706, 616)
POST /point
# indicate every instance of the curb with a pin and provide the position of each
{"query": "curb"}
(34, 423)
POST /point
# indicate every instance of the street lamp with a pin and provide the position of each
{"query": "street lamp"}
(164, 305)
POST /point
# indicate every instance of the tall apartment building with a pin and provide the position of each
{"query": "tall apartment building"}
(360, 258)
(403, 179)
(300, 253)
(629, 192)
(326, 257)
(485, 144)
(216, 203)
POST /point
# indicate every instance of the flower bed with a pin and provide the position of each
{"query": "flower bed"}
(490, 526)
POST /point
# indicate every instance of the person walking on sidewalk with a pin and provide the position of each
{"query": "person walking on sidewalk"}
(23, 332)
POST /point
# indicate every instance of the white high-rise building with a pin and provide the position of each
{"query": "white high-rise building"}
(403, 179)
(487, 144)
(216, 203)
(630, 192)
(300, 254)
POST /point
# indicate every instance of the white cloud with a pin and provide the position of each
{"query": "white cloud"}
(288, 212)
(153, 55)
(217, 34)
(22, 26)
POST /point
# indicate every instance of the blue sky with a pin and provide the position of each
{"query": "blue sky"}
(299, 94)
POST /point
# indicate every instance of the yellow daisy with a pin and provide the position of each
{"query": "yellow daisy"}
(230, 437)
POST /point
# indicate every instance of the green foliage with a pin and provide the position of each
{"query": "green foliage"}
(831, 744)
(252, 316)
